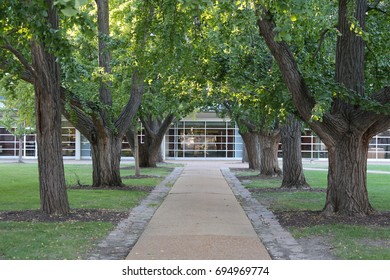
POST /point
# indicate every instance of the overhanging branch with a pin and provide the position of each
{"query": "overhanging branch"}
(20, 57)
(293, 78)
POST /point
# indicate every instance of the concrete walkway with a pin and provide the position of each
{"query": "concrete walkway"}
(199, 219)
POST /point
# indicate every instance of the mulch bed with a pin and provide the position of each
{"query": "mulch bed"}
(257, 177)
(260, 190)
(140, 176)
(311, 218)
(79, 215)
(119, 188)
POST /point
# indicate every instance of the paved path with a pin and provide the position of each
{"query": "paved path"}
(199, 219)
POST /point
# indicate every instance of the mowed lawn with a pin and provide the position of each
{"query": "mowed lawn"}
(347, 241)
(19, 190)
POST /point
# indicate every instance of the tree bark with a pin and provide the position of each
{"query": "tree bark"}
(149, 154)
(269, 143)
(106, 155)
(252, 146)
(350, 48)
(293, 176)
(347, 177)
(136, 153)
(53, 194)
(20, 156)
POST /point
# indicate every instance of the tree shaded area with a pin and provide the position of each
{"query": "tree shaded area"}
(93, 61)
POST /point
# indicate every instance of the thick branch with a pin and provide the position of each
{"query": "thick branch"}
(303, 101)
(146, 126)
(21, 58)
(373, 122)
(382, 96)
(165, 125)
(382, 124)
(131, 108)
(104, 59)
(287, 64)
(27, 77)
(322, 38)
(80, 120)
(250, 126)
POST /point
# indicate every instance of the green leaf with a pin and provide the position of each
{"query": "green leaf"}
(79, 3)
(293, 18)
(69, 12)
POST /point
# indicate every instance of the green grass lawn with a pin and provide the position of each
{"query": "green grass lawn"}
(348, 241)
(62, 240)
(370, 166)
(50, 241)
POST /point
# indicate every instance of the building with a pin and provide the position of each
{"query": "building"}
(199, 136)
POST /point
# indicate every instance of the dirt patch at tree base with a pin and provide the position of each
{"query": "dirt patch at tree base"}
(119, 188)
(320, 247)
(311, 218)
(75, 215)
(260, 190)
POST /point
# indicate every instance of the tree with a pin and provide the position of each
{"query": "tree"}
(293, 176)
(172, 83)
(101, 120)
(236, 87)
(252, 146)
(353, 115)
(150, 149)
(39, 31)
(158, 111)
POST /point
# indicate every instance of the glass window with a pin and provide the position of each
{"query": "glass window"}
(30, 145)
(8, 143)
(85, 147)
(68, 141)
(210, 139)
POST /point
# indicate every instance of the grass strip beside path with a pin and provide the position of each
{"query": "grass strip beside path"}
(358, 238)
(95, 212)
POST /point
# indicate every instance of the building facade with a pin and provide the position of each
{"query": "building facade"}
(200, 136)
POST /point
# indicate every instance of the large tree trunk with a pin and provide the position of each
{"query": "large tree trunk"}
(269, 143)
(149, 154)
(106, 145)
(54, 199)
(252, 146)
(150, 149)
(293, 177)
(347, 177)
(106, 155)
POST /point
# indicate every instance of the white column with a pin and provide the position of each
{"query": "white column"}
(163, 148)
(78, 145)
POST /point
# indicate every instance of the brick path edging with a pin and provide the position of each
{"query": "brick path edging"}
(278, 241)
